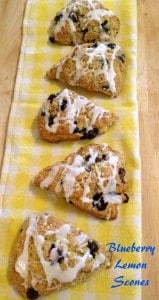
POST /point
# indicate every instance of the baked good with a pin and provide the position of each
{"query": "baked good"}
(67, 116)
(93, 179)
(83, 21)
(97, 67)
(50, 255)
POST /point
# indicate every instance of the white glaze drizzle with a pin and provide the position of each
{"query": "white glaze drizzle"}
(111, 71)
(86, 191)
(98, 14)
(73, 170)
(81, 239)
(79, 166)
(75, 103)
(52, 268)
(52, 173)
(101, 51)
(92, 13)
(100, 259)
(21, 265)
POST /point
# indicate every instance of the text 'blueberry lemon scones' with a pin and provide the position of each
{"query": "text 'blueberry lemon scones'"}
(83, 21)
(93, 179)
(68, 116)
(50, 255)
(96, 67)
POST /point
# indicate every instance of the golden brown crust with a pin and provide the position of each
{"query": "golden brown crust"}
(67, 116)
(79, 22)
(93, 179)
(96, 67)
(36, 282)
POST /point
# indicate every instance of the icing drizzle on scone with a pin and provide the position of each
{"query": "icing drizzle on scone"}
(62, 250)
(92, 176)
(79, 16)
(97, 60)
(79, 115)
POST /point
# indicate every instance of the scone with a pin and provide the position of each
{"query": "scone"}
(97, 67)
(50, 255)
(67, 116)
(83, 21)
(93, 179)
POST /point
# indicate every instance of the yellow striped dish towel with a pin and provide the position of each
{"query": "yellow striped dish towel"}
(26, 155)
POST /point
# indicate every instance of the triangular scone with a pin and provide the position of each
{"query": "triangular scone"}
(83, 21)
(93, 179)
(67, 116)
(96, 67)
(50, 255)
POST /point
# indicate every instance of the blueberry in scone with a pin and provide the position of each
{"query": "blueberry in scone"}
(67, 116)
(96, 67)
(90, 179)
(50, 255)
(83, 21)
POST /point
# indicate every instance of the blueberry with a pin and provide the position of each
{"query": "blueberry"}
(98, 159)
(42, 113)
(106, 29)
(87, 157)
(112, 45)
(121, 173)
(59, 251)
(51, 97)
(93, 247)
(32, 294)
(104, 23)
(84, 31)
(90, 134)
(73, 43)
(57, 18)
(52, 246)
(126, 200)
(74, 17)
(60, 259)
(76, 130)
(95, 45)
(101, 205)
(104, 26)
(97, 196)
(98, 202)
(64, 104)
(83, 131)
(51, 120)
(105, 87)
(51, 39)
(122, 58)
